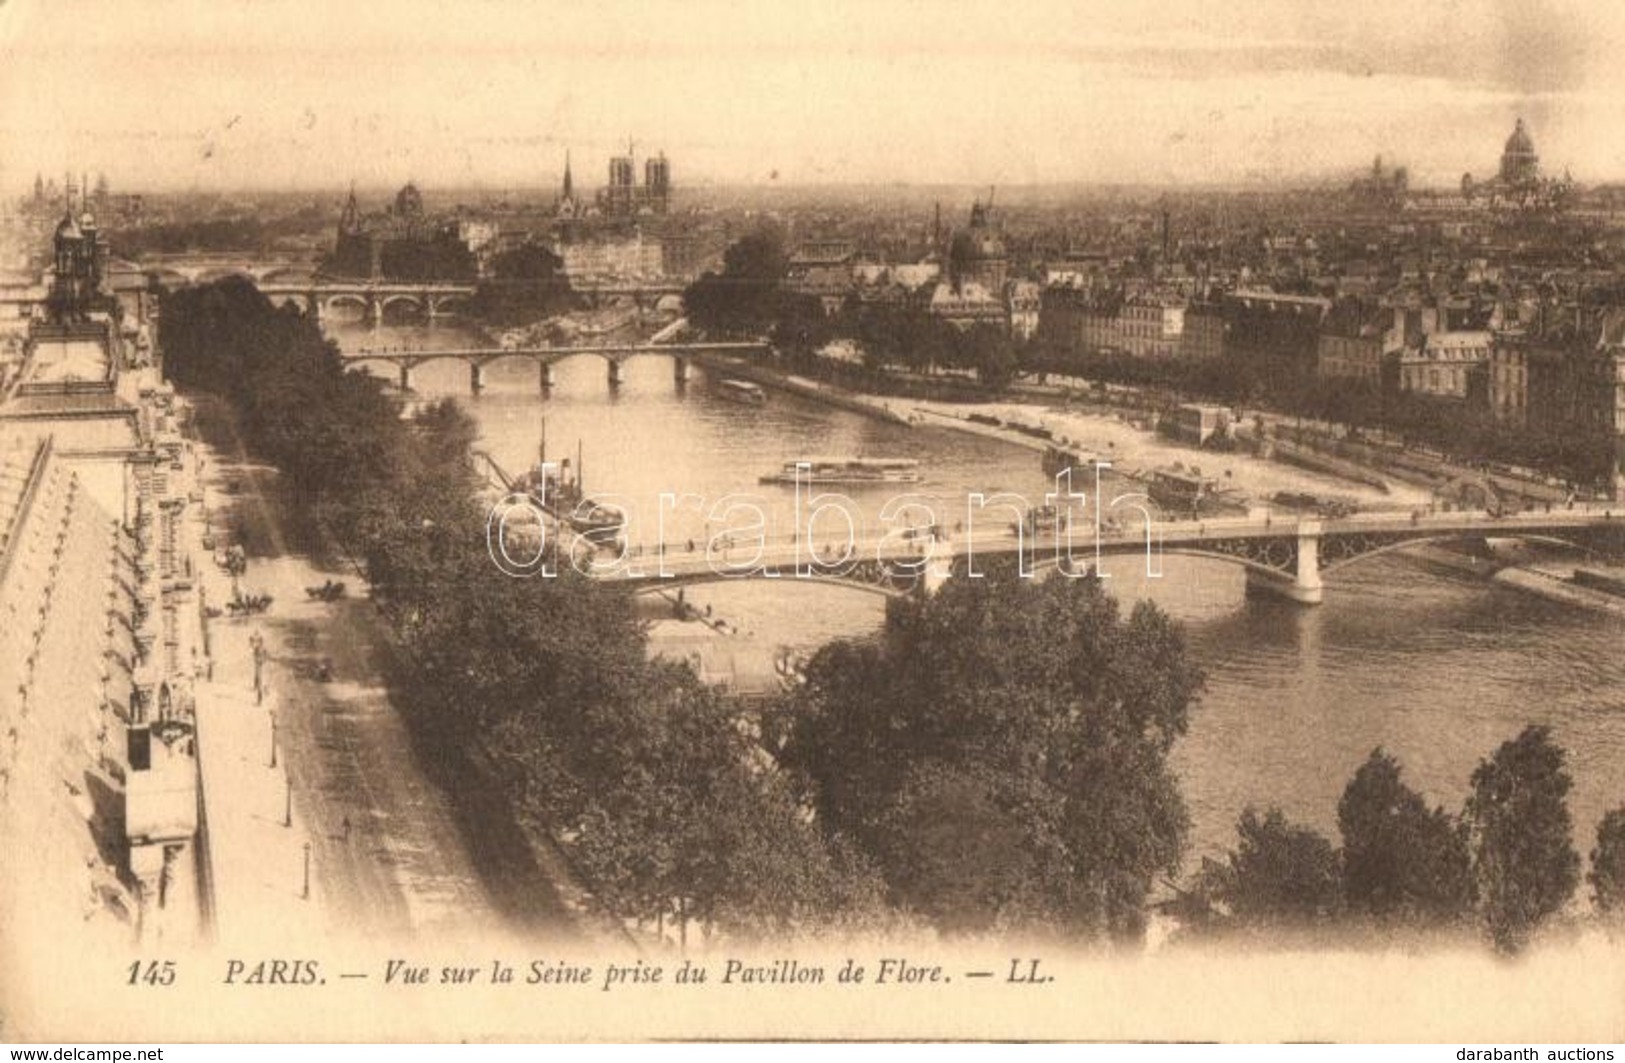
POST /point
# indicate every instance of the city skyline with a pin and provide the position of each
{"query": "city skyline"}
(307, 98)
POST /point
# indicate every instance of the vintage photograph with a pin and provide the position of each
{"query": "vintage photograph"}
(876, 520)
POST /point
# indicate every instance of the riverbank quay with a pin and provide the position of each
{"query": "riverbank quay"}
(1415, 466)
(1593, 583)
(263, 887)
(1315, 461)
(408, 835)
(1133, 451)
(387, 856)
(1516, 565)
(266, 883)
(1110, 430)
(884, 409)
(1558, 588)
(1407, 474)
(1379, 453)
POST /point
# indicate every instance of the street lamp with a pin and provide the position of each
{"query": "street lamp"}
(273, 737)
(306, 894)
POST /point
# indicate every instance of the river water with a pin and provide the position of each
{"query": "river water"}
(1437, 667)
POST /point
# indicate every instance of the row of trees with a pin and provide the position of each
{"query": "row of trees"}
(245, 233)
(910, 337)
(1583, 454)
(1506, 862)
(257, 231)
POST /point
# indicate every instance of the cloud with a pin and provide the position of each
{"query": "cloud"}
(857, 89)
(1526, 47)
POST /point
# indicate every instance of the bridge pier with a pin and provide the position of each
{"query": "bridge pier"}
(546, 374)
(375, 311)
(1305, 585)
(476, 377)
(614, 373)
(406, 377)
(680, 369)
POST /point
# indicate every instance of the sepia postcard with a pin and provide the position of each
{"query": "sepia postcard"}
(869, 520)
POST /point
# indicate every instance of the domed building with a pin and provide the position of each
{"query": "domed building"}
(977, 253)
(409, 202)
(1519, 163)
(1518, 185)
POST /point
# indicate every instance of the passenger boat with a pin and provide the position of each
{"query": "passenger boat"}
(742, 391)
(1185, 494)
(1180, 493)
(847, 471)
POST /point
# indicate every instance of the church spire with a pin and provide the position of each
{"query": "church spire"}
(569, 190)
(350, 220)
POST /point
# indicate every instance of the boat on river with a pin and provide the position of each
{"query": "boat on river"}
(742, 391)
(1060, 458)
(1185, 494)
(557, 489)
(849, 471)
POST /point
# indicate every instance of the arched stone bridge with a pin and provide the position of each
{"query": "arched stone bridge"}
(320, 296)
(646, 295)
(200, 267)
(545, 358)
(1287, 557)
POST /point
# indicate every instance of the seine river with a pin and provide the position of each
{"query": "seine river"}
(1438, 668)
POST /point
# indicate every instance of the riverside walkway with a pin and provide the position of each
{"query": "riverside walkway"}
(260, 879)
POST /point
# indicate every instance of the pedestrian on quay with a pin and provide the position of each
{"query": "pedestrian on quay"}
(257, 644)
(346, 827)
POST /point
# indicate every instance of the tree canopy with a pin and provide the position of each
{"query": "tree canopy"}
(1401, 860)
(1524, 864)
(1607, 875)
(744, 297)
(1000, 752)
(1279, 874)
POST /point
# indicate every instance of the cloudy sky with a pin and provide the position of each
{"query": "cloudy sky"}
(232, 93)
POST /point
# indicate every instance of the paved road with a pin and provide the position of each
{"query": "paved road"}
(404, 864)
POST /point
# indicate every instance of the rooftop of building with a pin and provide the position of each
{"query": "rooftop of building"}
(964, 293)
(1358, 319)
(1268, 296)
(1458, 338)
(65, 680)
(67, 359)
